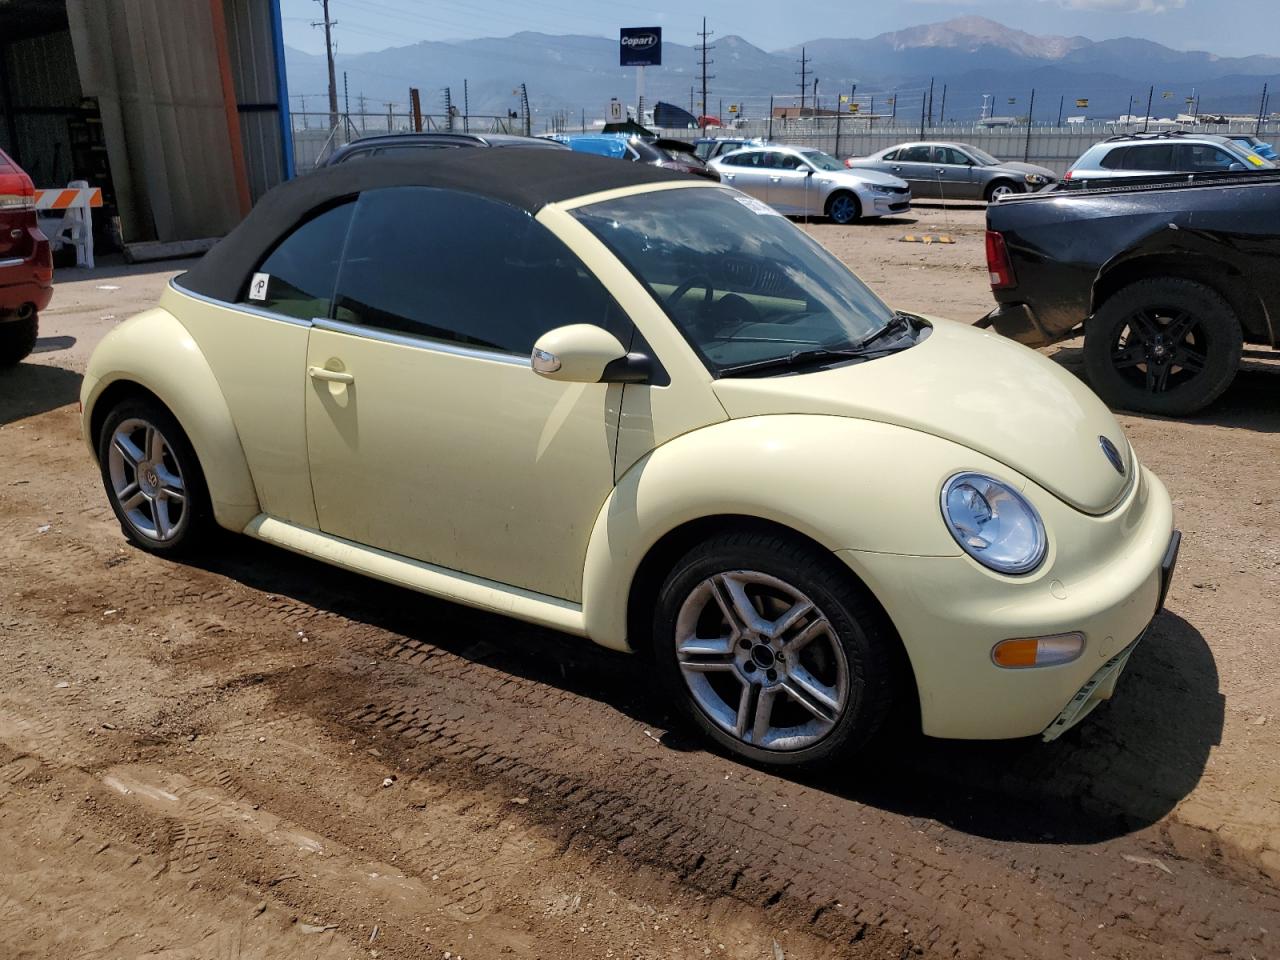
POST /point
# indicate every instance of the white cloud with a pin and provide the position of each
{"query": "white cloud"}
(1124, 6)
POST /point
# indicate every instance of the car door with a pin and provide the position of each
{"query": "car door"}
(789, 183)
(956, 174)
(745, 171)
(429, 434)
(915, 165)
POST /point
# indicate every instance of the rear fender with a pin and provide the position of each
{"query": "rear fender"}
(155, 352)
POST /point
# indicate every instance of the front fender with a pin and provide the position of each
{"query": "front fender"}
(156, 352)
(839, 481)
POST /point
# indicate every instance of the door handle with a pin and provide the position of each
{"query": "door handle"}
(897, 169)
(940, 171)
(775, 179)
(332, 376)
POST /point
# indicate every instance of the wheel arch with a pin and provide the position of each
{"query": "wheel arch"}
(1001, 181)
(153, 356)
(1215, 273)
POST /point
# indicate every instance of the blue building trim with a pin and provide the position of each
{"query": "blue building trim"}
(282, 92)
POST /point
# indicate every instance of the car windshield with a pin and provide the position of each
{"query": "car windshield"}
(984, 158)
(742, 283)
(823, 161)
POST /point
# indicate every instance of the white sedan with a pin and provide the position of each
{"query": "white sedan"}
(798, 182)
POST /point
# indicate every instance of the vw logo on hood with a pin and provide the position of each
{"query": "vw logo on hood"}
(1112, 454)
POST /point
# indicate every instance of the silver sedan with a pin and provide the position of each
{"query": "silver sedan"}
(955, 171)
(803, 182)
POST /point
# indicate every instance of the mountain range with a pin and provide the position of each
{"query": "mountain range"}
(971, 56)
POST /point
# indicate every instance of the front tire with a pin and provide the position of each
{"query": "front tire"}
(152, 478)
(18, 339)
(1165, 345)
(843, 208)
(998, 189)
(772, 652)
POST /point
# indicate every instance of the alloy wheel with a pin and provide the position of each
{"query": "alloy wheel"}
(1160, 349)
(843, 209)
(761, 660)
(146, 480)
(1003, 190)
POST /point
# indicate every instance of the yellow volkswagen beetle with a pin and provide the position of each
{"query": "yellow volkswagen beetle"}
(644, 409)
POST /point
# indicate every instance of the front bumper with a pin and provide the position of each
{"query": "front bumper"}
(1104, 578)
(1102, 684)
(883, 204)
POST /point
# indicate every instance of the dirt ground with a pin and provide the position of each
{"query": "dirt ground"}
(257, 756)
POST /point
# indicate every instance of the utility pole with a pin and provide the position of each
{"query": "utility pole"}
(1031, 109)
(1128, 114)
(1060, 99)
(942, 113)
(361, 99)
(804, 77)
(1262, 109)
(930, 102)
(524, 105)
(466, 107)
(1147, 119)
(306, 121)
(924, 101)
(390, 119)
(770, 137)
(328, 25)
(703, 63)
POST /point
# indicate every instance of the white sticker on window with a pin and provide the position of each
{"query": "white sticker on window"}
(756, 207)
(258, 287)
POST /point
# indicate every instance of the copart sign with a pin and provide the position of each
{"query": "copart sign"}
(640, 47)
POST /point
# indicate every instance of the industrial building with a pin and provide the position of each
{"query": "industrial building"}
(177, 109)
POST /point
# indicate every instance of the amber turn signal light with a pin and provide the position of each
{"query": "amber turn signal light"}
(1038, 651)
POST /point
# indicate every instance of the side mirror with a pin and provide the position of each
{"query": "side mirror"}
(1237, 168)
(584, 353)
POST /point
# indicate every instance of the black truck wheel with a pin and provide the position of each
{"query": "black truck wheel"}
(17, 339)
(1164, 345)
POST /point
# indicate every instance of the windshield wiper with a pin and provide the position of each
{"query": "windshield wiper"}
(817, 355)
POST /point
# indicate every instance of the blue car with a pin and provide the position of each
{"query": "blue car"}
(669, 154)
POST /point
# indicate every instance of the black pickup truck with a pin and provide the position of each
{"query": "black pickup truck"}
(1168, 279)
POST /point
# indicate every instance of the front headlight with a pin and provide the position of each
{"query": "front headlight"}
(993, 523)
(880, 188)
(1036, 178)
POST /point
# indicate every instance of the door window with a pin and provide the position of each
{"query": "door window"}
(1202, 158)
(459, 268)
(952, 156)
(915, 154)
(1156, 156)
(297, 277)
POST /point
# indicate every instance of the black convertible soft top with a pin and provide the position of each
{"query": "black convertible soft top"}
(528, 179)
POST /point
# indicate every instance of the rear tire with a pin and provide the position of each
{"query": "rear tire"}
(153, 479)
(1133, 345)
(18, 339)
(843, 208)
(824, 682)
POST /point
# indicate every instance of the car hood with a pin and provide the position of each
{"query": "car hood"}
(862, 175)
(972, 387)
(1018, 166)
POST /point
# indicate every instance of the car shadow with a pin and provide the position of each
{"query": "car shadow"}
(1124, 768)
(1248, 404)
(29, 389)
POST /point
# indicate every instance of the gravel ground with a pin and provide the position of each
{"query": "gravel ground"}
(257, 756)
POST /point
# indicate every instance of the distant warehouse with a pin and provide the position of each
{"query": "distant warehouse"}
(177, 109)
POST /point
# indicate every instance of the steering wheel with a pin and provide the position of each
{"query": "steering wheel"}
(697, 280)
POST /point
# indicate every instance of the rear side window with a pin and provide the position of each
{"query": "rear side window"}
(891, 155)
(459, 268)
(297, 277)
(1155, 156)
(1115, 159)
(915, 154)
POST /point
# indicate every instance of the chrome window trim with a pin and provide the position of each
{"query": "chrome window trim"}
(14, 262)
(420, 343)
(242, 307)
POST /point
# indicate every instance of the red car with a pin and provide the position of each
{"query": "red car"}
(26, 264)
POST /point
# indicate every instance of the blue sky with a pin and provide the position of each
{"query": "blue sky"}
(1227, 27)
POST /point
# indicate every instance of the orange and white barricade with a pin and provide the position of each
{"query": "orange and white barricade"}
(69, 220)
